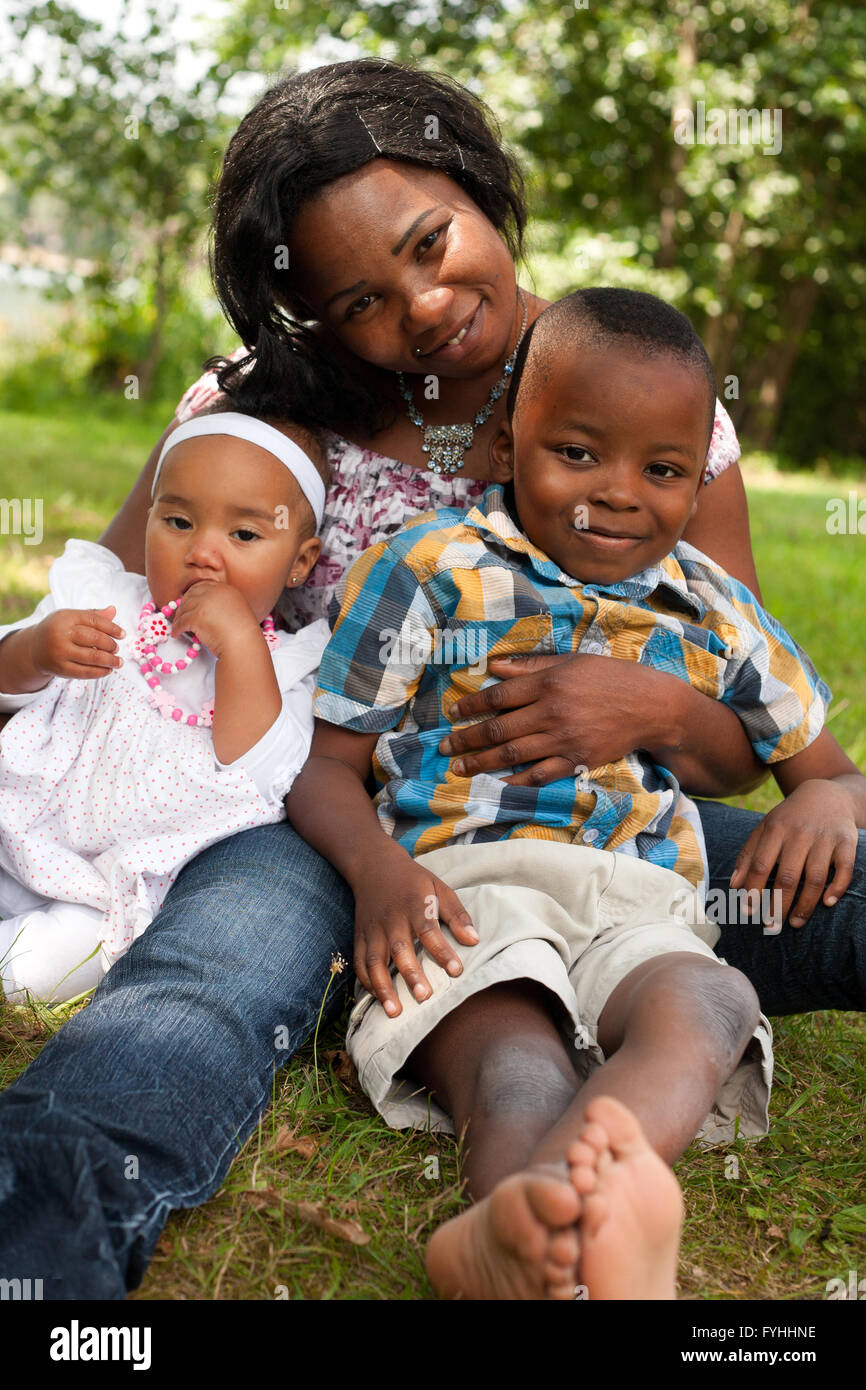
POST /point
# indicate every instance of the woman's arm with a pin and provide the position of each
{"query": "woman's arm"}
(720, 527)
(125, 534)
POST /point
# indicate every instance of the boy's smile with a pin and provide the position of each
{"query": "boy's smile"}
(606, 449)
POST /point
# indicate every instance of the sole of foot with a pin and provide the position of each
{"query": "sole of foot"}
(632, 1208)
(520, 1242)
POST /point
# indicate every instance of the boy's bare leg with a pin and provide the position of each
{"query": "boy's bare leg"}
(672, 1031)
(676, 1026)
(502, 1070)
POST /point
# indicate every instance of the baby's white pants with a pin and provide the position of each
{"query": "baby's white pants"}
(49, 950)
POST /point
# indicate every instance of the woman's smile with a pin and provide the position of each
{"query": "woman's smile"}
(456, 348)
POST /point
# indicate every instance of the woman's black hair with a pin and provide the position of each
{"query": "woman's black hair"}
(308, 130)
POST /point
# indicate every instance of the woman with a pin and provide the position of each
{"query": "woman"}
(374, 209)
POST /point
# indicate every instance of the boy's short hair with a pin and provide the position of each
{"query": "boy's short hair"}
(600, 317)
(307, 437)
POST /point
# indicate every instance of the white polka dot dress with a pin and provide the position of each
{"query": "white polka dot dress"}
(102, 798)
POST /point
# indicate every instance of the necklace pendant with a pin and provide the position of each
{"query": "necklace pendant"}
(446, 445)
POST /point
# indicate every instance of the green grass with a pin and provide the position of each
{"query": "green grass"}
(776, 1220)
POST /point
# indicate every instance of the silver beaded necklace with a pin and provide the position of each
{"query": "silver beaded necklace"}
(446, 444)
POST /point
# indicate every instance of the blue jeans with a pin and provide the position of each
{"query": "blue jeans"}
(140, 1103)
(819, 966)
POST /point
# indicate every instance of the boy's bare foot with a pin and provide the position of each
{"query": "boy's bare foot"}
(521, 1242)
(632, 1208)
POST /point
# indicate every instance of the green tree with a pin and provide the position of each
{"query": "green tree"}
(765, 251)
(99, 122)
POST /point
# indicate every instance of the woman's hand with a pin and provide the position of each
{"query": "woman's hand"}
(813, 830)
(569, 713)
(565, 714)
(395, 908)
(77, 643)
(218, 614)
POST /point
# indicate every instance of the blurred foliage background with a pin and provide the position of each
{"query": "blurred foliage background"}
(110, 147)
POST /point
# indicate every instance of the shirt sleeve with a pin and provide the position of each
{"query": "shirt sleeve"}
(771, 683)
(383, 625)
(10, 703)
(275, 761)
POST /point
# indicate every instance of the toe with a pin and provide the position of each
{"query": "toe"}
(595, 1212)
(553, 1202)
(580, 1154)
(623, 1133)
(583, 1178)
(564, 1249)
(593, 1135)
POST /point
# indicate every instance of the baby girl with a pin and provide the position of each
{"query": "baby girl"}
(157, 713)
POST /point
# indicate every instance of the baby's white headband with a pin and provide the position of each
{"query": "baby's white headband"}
(266, 437)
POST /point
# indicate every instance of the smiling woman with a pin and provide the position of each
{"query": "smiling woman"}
(366, 227)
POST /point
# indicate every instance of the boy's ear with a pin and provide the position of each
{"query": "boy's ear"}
(701, 476)
(501, 454)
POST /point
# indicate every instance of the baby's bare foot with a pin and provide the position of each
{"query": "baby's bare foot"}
(632, 1208)
(521, 1242)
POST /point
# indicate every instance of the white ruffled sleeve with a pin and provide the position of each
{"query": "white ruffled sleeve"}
(275, 761)
(86, 575)
(10, 703)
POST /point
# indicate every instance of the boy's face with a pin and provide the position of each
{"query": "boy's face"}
(607, 457)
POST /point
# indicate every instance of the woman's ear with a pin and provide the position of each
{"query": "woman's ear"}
(501, 454)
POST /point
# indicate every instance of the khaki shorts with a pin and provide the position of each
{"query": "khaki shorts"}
(574, 919)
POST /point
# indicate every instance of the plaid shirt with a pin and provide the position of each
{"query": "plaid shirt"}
(415, 618)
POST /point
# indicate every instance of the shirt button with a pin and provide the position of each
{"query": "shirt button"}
(590, 835)
(593, 649)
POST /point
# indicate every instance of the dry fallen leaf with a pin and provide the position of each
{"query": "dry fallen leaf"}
(776, 1232)
(343, 1066)
(303, 1144)
(308, 1211)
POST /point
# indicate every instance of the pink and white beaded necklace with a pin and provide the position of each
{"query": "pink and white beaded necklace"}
(154, 628)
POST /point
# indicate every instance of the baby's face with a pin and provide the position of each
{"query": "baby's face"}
(225, 511)
(607, 459)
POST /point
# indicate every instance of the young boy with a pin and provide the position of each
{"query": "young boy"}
(582, 1025)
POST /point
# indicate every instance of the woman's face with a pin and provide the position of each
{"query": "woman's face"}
(395, 257)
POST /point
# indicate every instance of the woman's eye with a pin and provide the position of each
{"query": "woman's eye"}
(429, 240)
(359, 305)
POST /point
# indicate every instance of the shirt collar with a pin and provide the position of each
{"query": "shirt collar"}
(491, 516)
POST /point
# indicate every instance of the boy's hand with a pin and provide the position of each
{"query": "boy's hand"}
(395, 907)
(813, 829)
(218, 614)
(77, 643)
